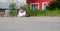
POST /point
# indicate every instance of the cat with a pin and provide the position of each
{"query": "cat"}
(23, 13)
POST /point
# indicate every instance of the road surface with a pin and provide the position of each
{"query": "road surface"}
(30, 24)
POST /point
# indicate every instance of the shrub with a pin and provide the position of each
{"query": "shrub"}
(12, 7)
(54, 5)
(44, 12)
(35, 12)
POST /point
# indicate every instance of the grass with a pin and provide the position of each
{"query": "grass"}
(44, 13)
(50, 13)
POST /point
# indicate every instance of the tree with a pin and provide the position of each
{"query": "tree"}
(55, 4)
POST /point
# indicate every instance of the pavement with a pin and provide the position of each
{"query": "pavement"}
(29, 23)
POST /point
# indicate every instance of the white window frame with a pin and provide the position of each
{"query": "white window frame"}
(34, 3)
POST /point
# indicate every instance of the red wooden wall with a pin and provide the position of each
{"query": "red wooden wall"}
(38, 1)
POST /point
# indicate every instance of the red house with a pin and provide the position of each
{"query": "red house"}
(38, 4)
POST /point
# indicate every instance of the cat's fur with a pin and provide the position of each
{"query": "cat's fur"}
(23, 12)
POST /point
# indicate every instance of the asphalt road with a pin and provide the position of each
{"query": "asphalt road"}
(30, 24)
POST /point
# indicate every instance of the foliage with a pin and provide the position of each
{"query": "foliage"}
(34, 12)
(12, 7)
(44, 12)
(50, 13)
(54, 5)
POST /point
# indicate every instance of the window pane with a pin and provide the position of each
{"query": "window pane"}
(35, 6)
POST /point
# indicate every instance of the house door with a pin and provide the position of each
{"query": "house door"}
(44, 5)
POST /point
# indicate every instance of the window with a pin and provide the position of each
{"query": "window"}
(34, 6)
(44, 5)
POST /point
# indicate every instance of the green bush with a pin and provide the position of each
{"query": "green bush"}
(44, 12)
(13, 10)
(54, 5)
(35, 12)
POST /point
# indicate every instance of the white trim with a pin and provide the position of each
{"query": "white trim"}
(36, 3)
(43, 5)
